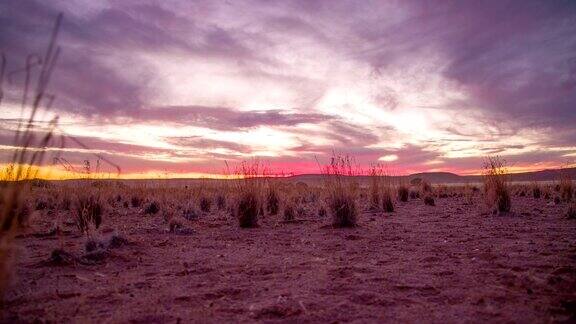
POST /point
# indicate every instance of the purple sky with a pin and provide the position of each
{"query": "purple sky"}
(182, 86)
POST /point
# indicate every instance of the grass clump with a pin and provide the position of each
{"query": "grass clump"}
(566, 188)
(381, 189)
(272, 200)
(403, 193)
(248, 206)
(496, 189)
(289, 213)
(136, 201)
(387, 202)
(341, 191)
(429, 200)
(248, 210)
(88, 211)
(536, 191)
(152, 208)
(220, 201)
(571, 212)
(205, 204)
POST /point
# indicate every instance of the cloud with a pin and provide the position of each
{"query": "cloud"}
(224, 118)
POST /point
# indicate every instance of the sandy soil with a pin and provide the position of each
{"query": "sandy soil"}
(447, 263)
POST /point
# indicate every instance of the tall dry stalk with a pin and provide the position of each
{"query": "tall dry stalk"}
(29, 150)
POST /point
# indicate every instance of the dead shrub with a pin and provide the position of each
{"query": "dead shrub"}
(429, 200)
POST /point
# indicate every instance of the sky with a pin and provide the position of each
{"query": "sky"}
(179, 88)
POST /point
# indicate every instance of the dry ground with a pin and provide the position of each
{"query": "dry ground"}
(444, 263)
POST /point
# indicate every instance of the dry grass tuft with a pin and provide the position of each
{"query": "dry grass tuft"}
(387, 202)
(220, 201)
(342, 192)
(248, 205)
(536, 190)
(496, 189)
(322, 211)
(152, 208)
(571, 212)
(429, 200)
(205, 204)
(88, 211)
(566, 187)
(288, 213)
(272, 200)
(403, 193)
(247, 209)
(136, 201)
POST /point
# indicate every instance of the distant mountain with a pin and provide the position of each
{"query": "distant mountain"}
(447, 177)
